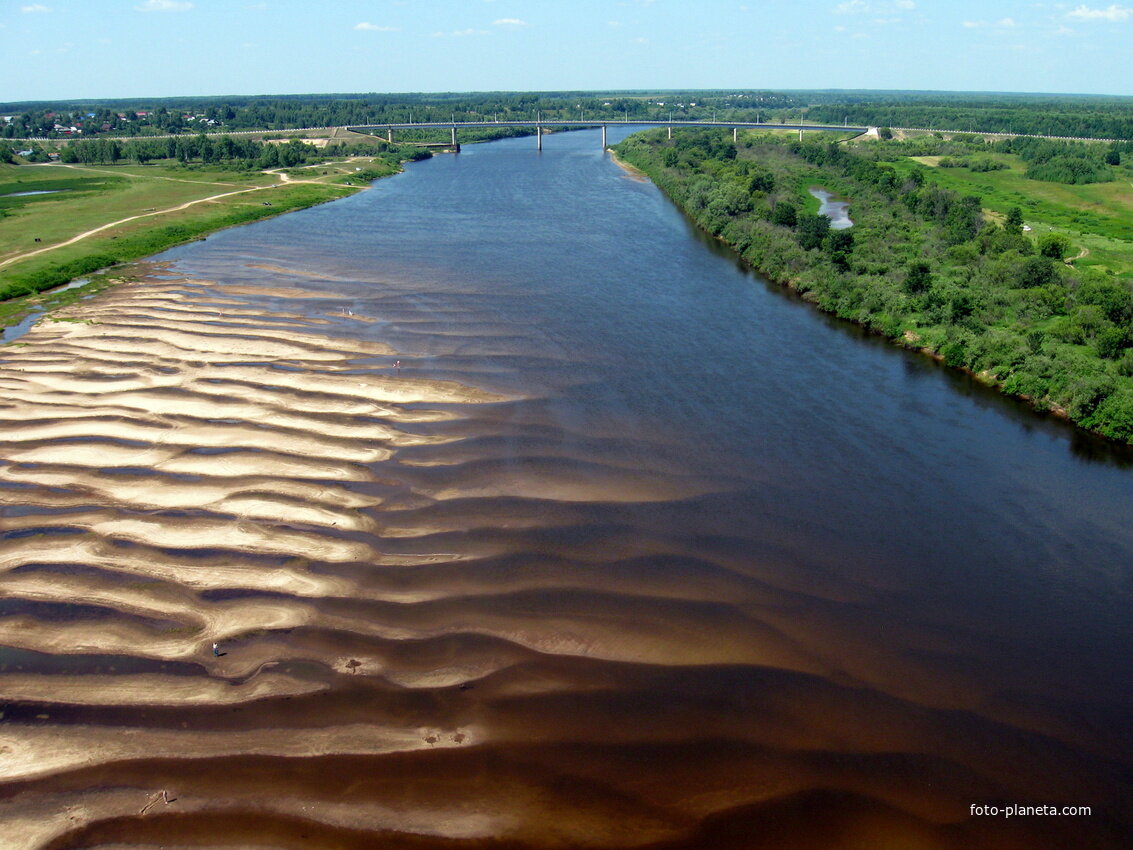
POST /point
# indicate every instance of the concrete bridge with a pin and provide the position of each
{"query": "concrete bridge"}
(539, 124)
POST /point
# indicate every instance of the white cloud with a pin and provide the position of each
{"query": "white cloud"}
(614, 24)
(1112, 13)
(851, 7)
(509, 22)
(905, 4)
(366, 25)
(1006, 22)
(34, 8)
(164, 6)
(641, 40)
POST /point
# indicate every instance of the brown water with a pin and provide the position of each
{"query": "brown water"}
(524, 517)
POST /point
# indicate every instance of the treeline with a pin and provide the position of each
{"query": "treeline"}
(1068, 115)
(191, 115)
(1094, 117)
(225, 151)
(1065, 163)
(1051, 160)
(921, 265)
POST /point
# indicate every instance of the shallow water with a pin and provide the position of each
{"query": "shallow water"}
(836, 211)
(33, 192)
(524, 516)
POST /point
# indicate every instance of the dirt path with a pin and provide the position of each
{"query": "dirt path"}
(284, 177)
(95, 230)
(274, 172)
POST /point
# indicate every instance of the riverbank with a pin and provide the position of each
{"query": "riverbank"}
(673, 533)
(921, 267)
(117, 214)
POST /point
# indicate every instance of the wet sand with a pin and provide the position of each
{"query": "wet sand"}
(432, 639)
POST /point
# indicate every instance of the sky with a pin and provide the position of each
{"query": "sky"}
(104, 49)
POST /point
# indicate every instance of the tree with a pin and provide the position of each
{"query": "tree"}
(812, 230)
(1054, 245)
(918, 278)
(1035, 271)
(840, 241)
(1014, 223)
(761, 181)
(784, 214)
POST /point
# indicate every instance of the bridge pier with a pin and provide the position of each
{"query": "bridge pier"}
(389, 135)
(454, 144)
(603, 137)
(670, 132)
(538, 137)
(735, 135)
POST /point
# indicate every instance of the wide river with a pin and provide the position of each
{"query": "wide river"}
(521, 515)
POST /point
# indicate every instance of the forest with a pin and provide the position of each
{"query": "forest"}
(924, 265)
(1079, 116)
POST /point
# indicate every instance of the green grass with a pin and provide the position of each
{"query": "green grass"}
(1095, 216)
(102, 195)
(66, 187)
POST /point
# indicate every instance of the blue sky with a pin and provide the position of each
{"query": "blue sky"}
(64, 49)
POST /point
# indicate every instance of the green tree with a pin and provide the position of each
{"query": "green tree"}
(812, 230)
(1035, 271)
(918, 278)
(784, 214)
(1054, 245)
(1014, 223)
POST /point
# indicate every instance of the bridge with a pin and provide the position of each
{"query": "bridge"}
(539, 124)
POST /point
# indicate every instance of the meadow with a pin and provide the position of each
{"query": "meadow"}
(133, 211)
(1097, 217)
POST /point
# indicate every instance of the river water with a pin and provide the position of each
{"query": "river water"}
(525, 516)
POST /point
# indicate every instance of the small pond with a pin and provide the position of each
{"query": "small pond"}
(834, 209)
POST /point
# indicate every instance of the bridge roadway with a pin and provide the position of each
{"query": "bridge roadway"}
(539, 124)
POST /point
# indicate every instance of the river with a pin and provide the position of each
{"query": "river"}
(523, 515)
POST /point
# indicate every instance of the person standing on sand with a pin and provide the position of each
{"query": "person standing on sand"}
(216, 650)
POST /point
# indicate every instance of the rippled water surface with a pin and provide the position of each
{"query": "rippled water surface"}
(523, 516)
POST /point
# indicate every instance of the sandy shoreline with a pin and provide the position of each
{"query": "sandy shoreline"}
(427, 630)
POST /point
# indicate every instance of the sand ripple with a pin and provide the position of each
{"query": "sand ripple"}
(439, 621)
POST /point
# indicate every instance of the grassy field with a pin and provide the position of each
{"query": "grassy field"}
(141, 210)
(1097, 217)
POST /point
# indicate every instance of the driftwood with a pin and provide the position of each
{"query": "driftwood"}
(164, 795)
